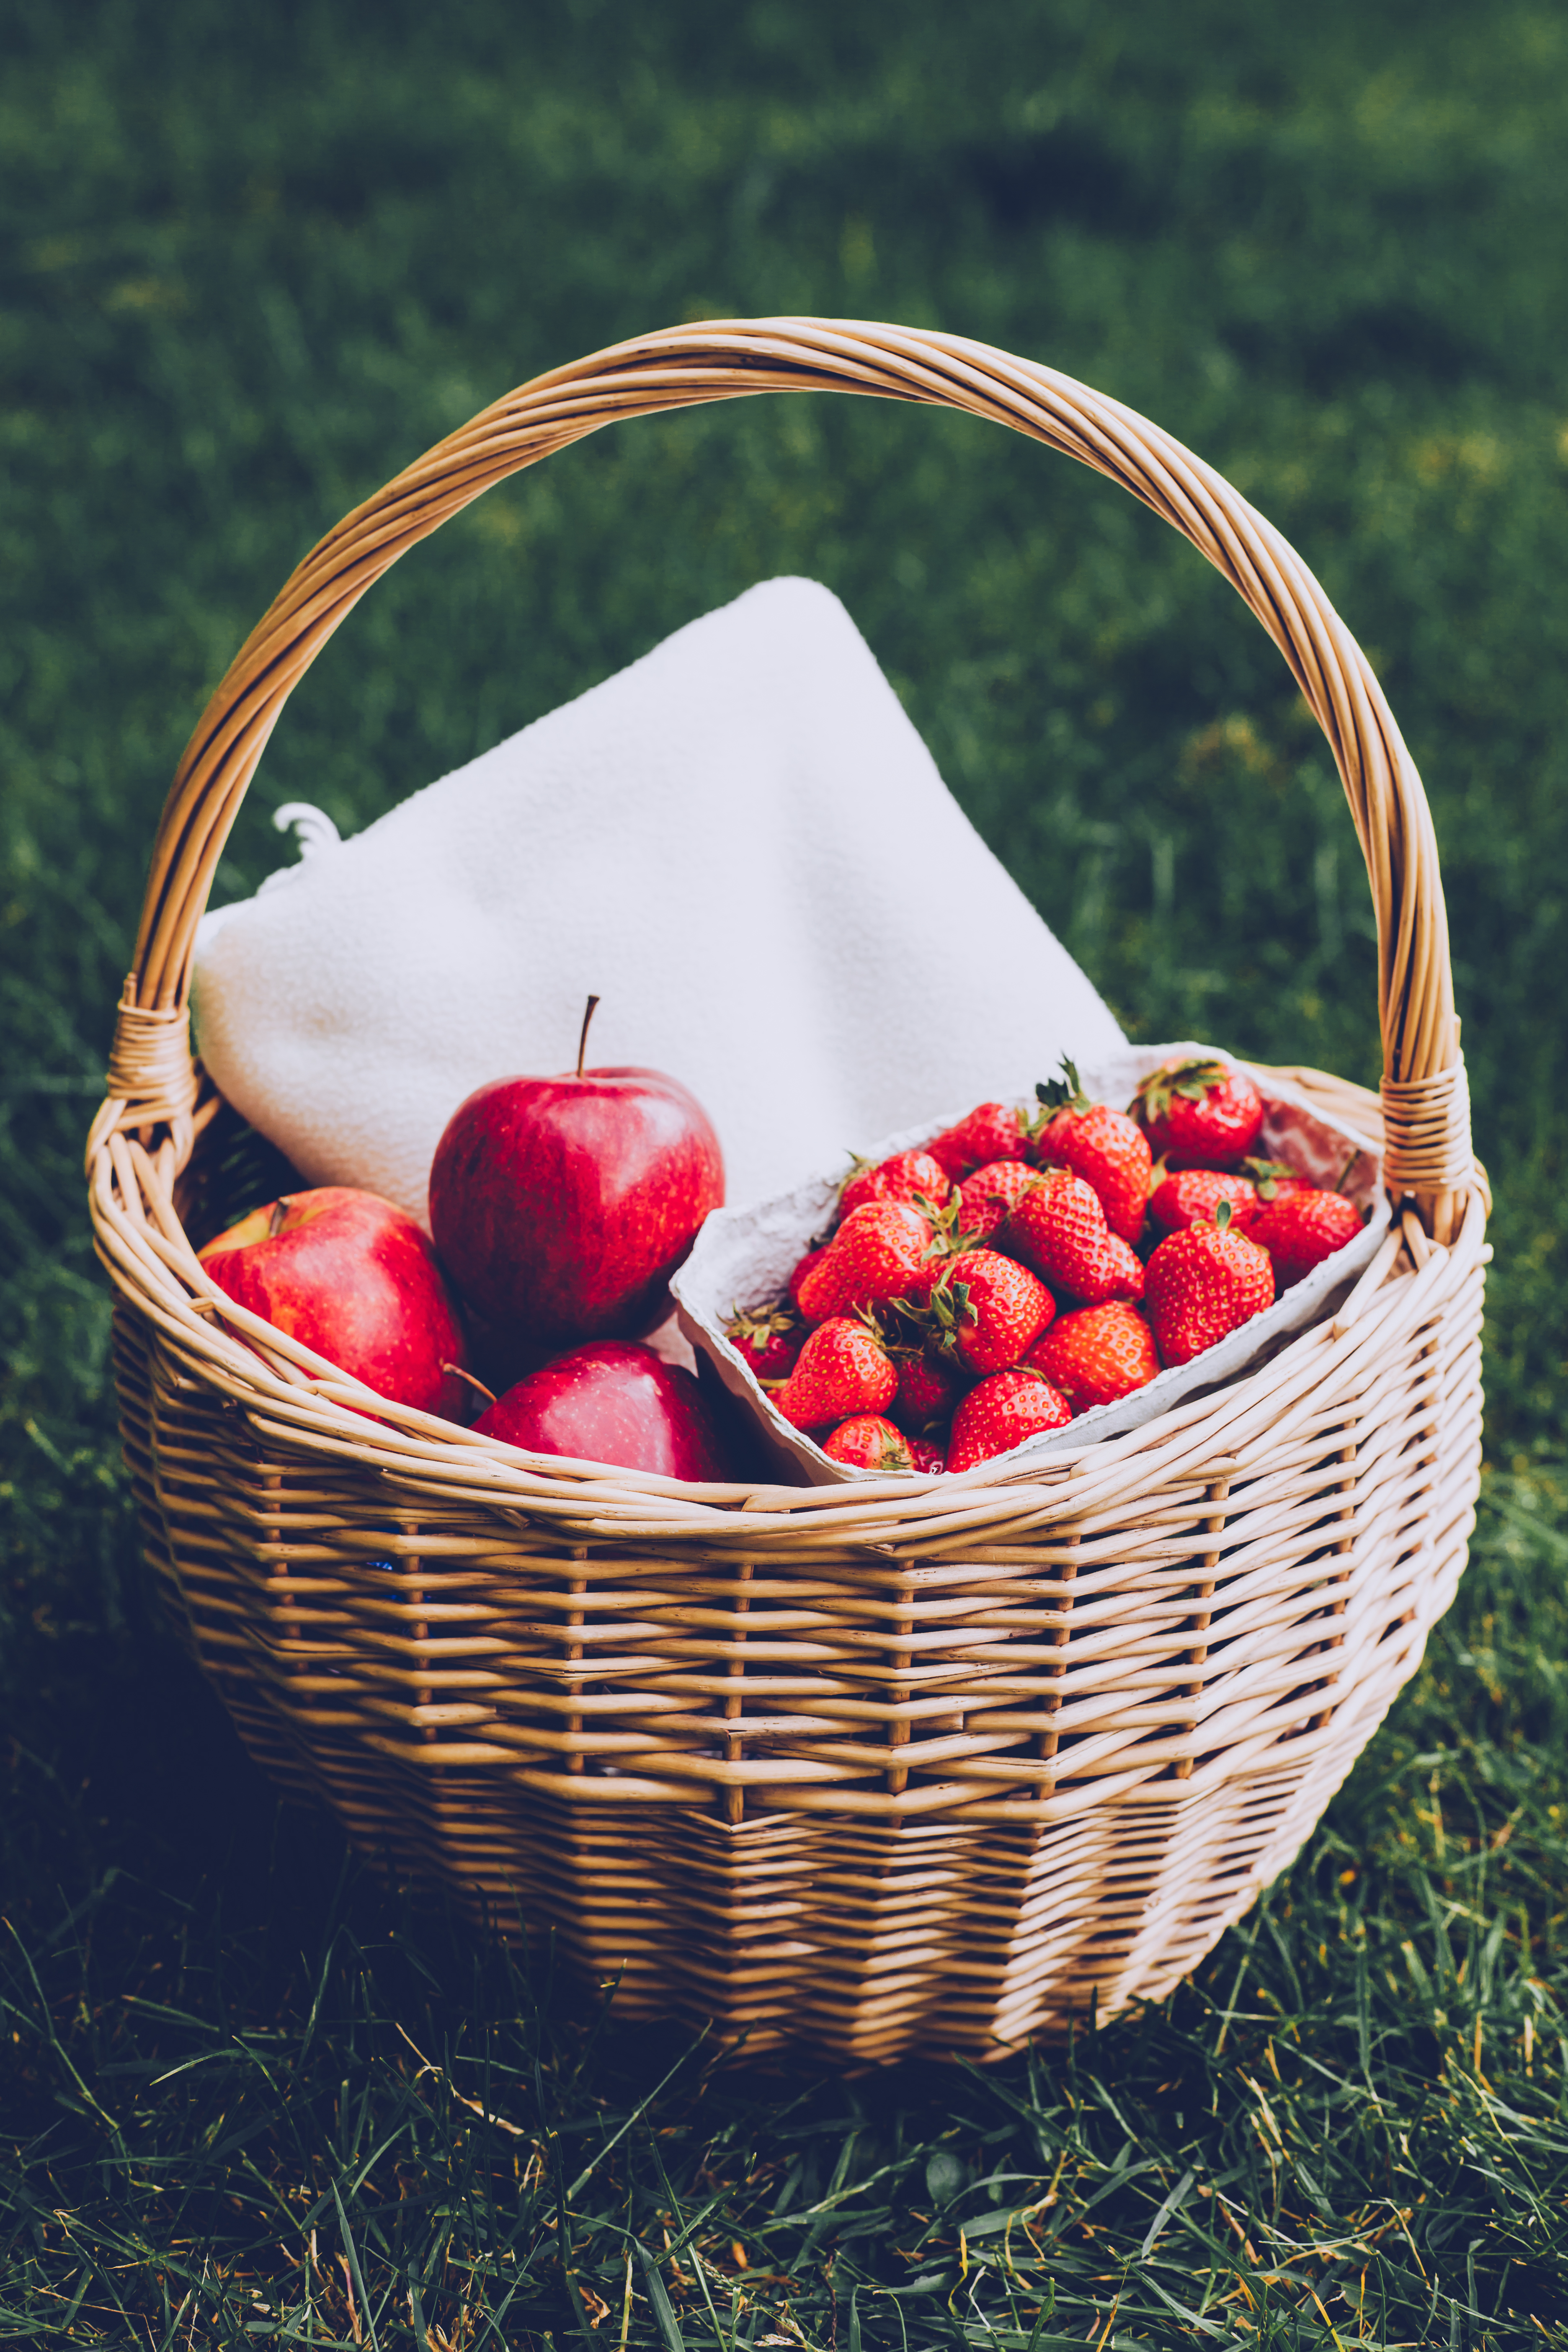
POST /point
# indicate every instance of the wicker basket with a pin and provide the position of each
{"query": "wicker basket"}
(924, 1764)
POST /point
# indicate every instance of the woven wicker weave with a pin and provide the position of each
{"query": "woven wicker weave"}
(920, 1764)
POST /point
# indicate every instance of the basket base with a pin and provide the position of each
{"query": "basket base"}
(866, 1941)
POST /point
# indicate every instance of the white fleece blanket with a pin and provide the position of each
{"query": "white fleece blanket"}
(739, 844)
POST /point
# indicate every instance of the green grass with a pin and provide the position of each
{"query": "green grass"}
(252, 262)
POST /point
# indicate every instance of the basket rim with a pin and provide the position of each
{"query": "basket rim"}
(300, 1402)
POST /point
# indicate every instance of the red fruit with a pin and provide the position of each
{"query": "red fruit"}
(907, 1176)
(872, 1256)
(1301, 1229)
(1116, 1271)
(1203, 1109)
(351, 1277)
(1204, 1283)
(813, 1258)
(989, 1197)
(1192, 1197)
(843, 1370)
(928, 1391)
(561, 1206)
(1059, 1229)
(986, 1309)
(1105, 1147)
(990, 1132)
(612, 1400)
(767, 1341)
(929, 1455)
(1001, 1412)
(870, 1443)
(1096, 1354)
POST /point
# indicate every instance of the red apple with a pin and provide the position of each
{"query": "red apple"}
(561, 1206)
(355, 1278)
(616, 1401)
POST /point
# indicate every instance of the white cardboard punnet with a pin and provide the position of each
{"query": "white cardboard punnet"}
(745, 1254)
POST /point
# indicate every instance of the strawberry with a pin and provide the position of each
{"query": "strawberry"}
(907, 1176)
(928, 1390)
(1203, 1110)
(813, 1258)
(986, 1309)
(843, 1370)
(1195, 1194)
(1117, 1270)
(991, 1194)
(873, 1253)
(1205, 1282)
(1105, 1147)
(929, 1455)
(767, 1340)
(1001, 1412)
(870, 1443)
(1096, 1354)
(1302, 1228)
(990, 1132)
(1058, 1229)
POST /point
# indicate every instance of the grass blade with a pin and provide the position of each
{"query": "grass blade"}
(663, 2316)
(358, 2275)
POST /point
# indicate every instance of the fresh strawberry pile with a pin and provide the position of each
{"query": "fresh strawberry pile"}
(1022, 1268)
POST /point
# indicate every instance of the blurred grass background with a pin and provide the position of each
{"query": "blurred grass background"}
(254, 261)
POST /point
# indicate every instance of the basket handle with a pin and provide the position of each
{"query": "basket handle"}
(1424, 1102)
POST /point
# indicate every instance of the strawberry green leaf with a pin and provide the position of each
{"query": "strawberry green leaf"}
(1058, 1096)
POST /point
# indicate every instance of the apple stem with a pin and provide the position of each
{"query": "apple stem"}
(582, 1040)
(277, 1220)
(489, 1394)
